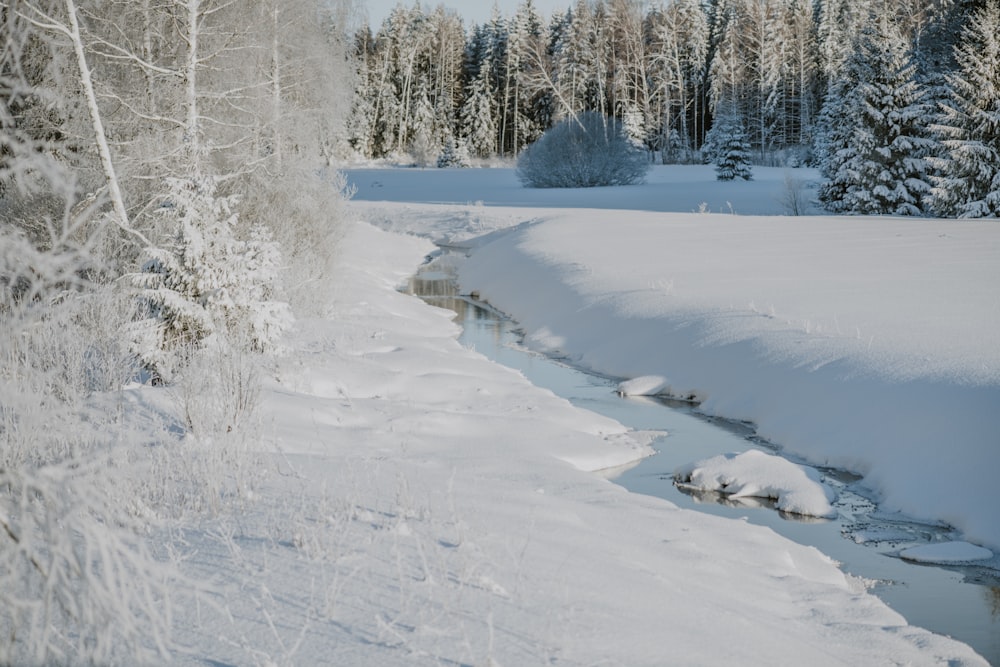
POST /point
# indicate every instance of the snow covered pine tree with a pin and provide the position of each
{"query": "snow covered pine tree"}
(881, 167)
(968, 183)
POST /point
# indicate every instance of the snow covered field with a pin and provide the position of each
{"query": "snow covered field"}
(422, 505)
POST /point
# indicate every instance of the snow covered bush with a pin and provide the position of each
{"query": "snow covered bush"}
(794, 196)
(209, 282)
(580, 152)
(76, 586)
(968, 182)
(304, 212)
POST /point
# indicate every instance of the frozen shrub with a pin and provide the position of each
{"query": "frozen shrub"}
(582, 152)
(308, 222)
(76, 584)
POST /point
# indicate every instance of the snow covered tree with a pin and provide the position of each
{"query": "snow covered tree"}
(454, 154)
(520, 126)
(76, 585)
(881, 166)
(730, 148)
(576, 63)
(208, 282)
(580, 152)
(629, 87)
(678, 55)
(968, 182)
(478, 114)
(798, 71)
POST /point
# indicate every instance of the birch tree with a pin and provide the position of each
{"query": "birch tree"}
(678, 59)
(76, 584)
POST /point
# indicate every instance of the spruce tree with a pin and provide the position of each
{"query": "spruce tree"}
(209, 281)
(968, 183)
(731, 148)
(881, 166)
(832, 147)
(478, 114)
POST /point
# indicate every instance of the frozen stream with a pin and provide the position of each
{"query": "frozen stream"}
(962, 602)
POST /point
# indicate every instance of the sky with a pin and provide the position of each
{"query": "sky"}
(472, 11)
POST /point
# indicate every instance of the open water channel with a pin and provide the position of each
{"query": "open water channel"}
(962, 602)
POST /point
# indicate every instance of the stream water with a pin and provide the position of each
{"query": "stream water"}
(962, 602)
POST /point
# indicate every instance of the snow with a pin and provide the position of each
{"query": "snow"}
(416, 503)
(946, 553)
(646, 385)
(427, 506)
(755, 474)
(433, 507)
(861, 343)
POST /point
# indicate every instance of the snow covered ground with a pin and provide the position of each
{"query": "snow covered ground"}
(862, 343)
(430, 507)
(418, 504)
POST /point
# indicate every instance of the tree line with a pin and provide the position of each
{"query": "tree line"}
(784, 73)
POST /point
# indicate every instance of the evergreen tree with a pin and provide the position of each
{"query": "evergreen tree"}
(730, 147)
(881, 169)
(454, 154)
(209, 281)
(968, 184)
(832, 145)
(478, 114)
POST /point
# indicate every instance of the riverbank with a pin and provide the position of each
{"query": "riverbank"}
(860, 343)
(434, 507)
(847, 342)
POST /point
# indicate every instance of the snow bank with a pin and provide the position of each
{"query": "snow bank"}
(754, 474)
(860, 343)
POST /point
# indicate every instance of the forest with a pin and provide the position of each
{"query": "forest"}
(919, 78)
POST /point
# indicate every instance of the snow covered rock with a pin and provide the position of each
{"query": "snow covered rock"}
(754, 474)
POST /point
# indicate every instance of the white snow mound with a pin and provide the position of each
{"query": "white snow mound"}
(646, 385)
(946, 552)
(755, 474)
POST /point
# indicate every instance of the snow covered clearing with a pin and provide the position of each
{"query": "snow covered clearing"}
(754, 474)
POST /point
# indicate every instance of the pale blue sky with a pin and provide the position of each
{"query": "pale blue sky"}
(471, 11)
